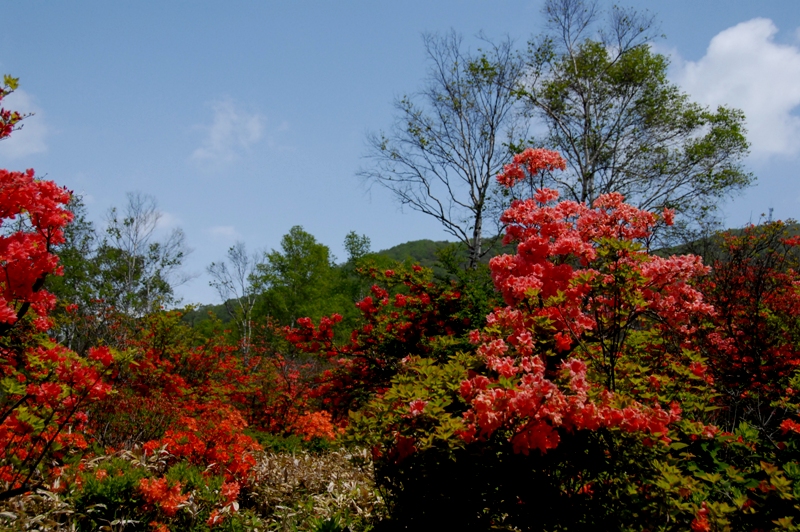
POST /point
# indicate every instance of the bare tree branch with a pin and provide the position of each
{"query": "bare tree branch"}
(451, 140)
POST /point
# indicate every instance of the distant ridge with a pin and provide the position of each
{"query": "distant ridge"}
(422, 252)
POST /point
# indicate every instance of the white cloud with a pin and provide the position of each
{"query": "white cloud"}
(167, 221)
(31, 137)
(745, 68)
(231, 133)
(225, 233)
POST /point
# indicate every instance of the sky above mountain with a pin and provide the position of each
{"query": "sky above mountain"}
(244, 119)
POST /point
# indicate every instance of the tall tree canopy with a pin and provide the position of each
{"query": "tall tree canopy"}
(234, 281)
(297, 280)
(609, 109)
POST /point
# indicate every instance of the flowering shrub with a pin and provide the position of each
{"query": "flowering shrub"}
(158, 493)
(608, 388)
(589, 394)
(754, 344)
(315, 425)
(210, 435)
(588, 306)
(149, 493)
(405, 315)
(44, 388)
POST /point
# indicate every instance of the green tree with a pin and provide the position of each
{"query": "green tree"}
(297, 281)
(114, 278)
(353, 283)
(78, 284)
(140, 270)
(609, 109)
(357, 246)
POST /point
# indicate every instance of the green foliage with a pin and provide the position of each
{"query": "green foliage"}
(388, 416)
(11, 83)
(621, 125)
(110, 280)
(422, 252)
(297, 281)
(108, 494)
(357, 246)
(139, 271)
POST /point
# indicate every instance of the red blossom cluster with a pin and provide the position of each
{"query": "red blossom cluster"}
(537, 407)
(44, 388)
(26, 256)
(210, 435)
(529, 163)
(576, 287)
(157, 492)
(229, 491)
(315, 425)
(753, 347)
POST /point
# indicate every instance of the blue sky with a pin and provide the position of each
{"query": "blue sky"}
(244, 119)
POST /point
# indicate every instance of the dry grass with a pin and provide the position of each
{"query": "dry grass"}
(288, 492)
(297, 489)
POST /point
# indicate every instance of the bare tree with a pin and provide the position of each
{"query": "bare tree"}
(235, 286)
(447, 142)
(593, 80)
(145, 270)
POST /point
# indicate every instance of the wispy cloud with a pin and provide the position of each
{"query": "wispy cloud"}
(745, 68)
(167, 221)
(224, 233)
(232, 133)
(31, 137)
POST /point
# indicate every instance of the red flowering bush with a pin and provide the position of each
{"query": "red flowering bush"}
(406, 315)
(210, 435)
(44, 388)
(754, 344)
(587, 399)
(588, 307)
(157, 492)
(608, 387)
(315, 425)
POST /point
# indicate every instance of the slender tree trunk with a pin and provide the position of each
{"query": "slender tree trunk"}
(475, 252)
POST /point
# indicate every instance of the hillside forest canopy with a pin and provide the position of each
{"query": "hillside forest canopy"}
(568, 372)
